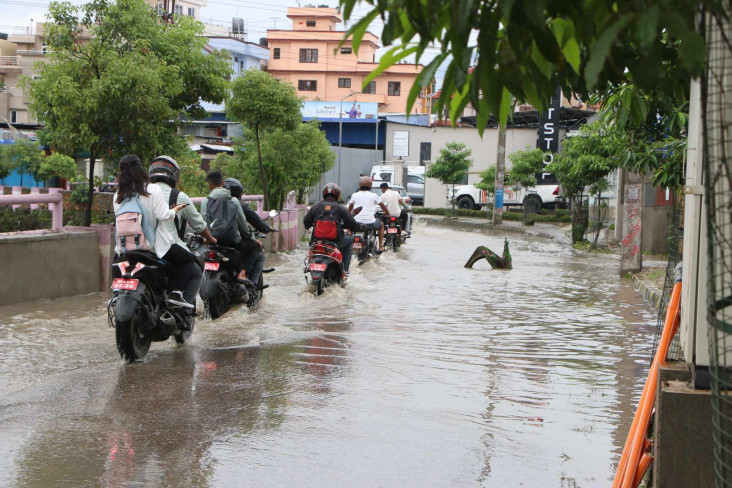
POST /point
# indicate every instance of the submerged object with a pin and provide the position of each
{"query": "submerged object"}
(496, 261)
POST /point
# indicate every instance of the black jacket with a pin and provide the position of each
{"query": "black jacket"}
(344, 219)
(254, 219)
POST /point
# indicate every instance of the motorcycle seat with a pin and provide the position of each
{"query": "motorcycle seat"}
(145, 257)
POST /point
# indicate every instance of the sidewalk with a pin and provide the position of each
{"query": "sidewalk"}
(557, 232)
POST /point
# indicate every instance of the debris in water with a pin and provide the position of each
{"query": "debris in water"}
(496, 261)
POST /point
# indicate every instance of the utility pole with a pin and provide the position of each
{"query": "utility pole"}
(274, 22)
(500, 172)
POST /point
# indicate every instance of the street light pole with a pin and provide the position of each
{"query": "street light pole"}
(340, 135)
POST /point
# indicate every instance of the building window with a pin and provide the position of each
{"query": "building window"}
(307, 85)
(276, 53)
(179, 9)
(344, 83)
(370, 88)
(346, 50)
(395, 88)
(310, 23)
(44, 48)
(13, 116)
(308, 55)
(191, 12)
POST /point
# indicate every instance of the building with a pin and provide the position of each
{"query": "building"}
(18, 54)
(309, 57)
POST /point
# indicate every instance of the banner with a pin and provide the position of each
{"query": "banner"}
(347, 111)
(548, 140)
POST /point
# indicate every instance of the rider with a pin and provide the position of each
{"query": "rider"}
(330, 209)
(368, 201)
(216, 183)
(394, 203)
(251, 249)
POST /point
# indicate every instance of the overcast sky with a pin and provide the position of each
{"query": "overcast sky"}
(16, 15)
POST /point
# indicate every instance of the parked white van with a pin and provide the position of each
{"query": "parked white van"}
(414, 183)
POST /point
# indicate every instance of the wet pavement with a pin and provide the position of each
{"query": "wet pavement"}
(418, 373)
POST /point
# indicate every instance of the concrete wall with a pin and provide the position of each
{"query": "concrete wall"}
(484, 150)
(48, 265)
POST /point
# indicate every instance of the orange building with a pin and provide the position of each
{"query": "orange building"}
(308, 56)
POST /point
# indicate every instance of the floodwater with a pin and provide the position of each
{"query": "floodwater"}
(419, 373)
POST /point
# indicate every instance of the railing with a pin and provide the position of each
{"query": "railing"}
(8, 60)
(54, 200)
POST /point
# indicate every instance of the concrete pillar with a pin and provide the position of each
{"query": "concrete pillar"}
(34, 191)
(398, 177)
(631, 258)
(57, 210)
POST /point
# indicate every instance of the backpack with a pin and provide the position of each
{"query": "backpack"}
(134, 230)
(180, 223)
(326, 223)
(222, 221)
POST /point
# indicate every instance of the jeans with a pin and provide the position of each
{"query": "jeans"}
(346, 248)
(252, 259)
(187, 274)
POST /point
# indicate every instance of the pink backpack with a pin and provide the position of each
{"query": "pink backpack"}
(131, 226)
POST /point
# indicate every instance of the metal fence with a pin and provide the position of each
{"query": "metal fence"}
(717, 104)
(349, 164)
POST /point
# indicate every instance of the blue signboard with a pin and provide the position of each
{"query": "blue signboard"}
(498, 199)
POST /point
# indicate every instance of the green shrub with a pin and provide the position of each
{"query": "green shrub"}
(514, 216)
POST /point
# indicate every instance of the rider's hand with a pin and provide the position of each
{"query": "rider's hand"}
(212, 240)
(179, 207)
(261, 246)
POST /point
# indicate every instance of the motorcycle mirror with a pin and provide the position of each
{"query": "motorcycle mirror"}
(273, 213)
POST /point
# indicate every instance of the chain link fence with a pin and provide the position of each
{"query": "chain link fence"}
(717, 103)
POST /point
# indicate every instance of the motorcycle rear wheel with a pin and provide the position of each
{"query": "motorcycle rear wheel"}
(182, 337)
(132, 343)
(216, 301)
(317, 287)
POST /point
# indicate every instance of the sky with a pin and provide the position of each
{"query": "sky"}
(16, 15)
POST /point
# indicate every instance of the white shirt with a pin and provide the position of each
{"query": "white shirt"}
(157, 206)
(368, 202)
(390, 199)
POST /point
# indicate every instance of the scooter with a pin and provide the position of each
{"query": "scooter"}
(143, 308)
(324, 262)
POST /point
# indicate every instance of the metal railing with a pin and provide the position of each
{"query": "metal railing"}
(8, 60)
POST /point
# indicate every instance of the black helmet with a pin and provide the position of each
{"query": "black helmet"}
(165, 169)
(331, 190)
(234, 186)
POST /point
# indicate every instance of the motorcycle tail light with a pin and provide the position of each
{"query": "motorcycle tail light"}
(123, 266)
(137, 268)
(211, 255)
(393, 219)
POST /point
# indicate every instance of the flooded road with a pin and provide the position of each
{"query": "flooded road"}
(419, 373)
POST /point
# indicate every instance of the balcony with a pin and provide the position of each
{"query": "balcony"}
(8, 63)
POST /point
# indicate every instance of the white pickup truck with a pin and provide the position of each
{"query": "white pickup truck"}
(533, 199)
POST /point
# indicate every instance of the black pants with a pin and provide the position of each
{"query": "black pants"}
(187, 273)
(252, 259)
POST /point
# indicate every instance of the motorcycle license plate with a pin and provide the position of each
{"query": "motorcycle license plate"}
(393, 230)
(211, 266)
(122, 284)
(317, 267)
(357, 246)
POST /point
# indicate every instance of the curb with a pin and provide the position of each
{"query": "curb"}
(652, 294)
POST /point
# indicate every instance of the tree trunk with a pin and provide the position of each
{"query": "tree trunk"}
(261, 170)
(90, 194)
(599, 221)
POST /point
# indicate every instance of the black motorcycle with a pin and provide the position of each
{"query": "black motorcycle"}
(365, 244)
(324, 262)
(144, 309)
(392, 233)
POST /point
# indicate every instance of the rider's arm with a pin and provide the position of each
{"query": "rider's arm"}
(242, 220)
(348, 221)
(254, 219)
(383, 207)
(309, 217)
(192, 216)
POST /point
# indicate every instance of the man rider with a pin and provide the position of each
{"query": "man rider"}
(368, 201)
(329, 208)
(394, 203)
(165, 172)
(215, 182)
(251, 249)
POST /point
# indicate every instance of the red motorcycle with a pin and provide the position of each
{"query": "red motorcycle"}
(324, 262)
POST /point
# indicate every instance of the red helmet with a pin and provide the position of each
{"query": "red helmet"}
(331, 190)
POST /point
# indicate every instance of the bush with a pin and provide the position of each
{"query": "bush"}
(509, 216)
(24, 219)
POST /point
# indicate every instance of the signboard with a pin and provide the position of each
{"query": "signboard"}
(331, 111)
(548, 137)
(400, 147)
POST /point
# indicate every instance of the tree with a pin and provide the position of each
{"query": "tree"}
(263, 103)
(6, 166)
(118, 91)
(524, 49)
(451, 166)
(58, 165)
(25, 156)
(585, 163)
(292, 160)
(192, 177)
(525, 164)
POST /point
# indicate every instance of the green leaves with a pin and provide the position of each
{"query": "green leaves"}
(258, 99)
(57, 164)
(452, 165)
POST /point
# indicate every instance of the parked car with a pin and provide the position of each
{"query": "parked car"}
(533, 199)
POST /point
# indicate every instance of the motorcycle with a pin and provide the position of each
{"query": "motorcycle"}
(219, 288)
(324, 262)
(365, 244)
(143, 308)
(393, 234)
